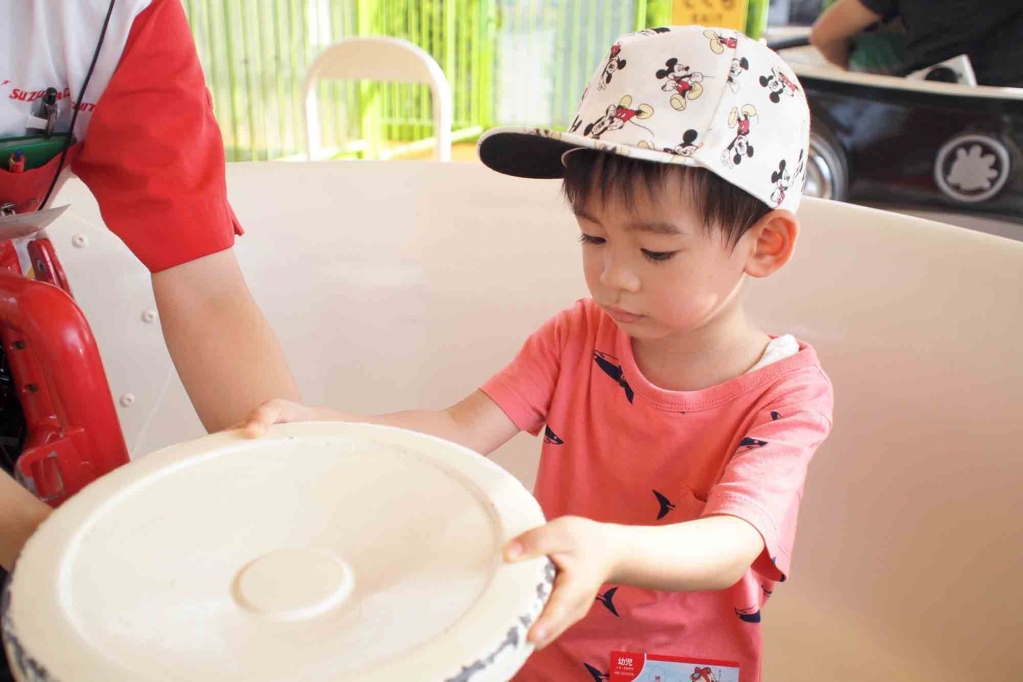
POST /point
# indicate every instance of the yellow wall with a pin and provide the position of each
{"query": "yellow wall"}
(724, 13)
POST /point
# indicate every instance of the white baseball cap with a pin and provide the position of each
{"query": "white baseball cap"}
(691, 95)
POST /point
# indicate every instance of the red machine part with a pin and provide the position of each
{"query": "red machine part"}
(73, 434)
(46, 265)
(9, 258)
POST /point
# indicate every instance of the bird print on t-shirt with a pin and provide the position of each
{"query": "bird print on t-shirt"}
(608, 600)
(596, 674)
(608, 364)
(749, 615)
(774, 560)
(747, 444)
(666, 505)
(551, 437)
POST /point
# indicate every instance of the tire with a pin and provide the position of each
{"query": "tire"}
(827, 168)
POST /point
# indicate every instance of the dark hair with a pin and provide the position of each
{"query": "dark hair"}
(723, 205)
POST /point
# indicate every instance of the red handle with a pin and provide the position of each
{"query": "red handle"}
(74, 435)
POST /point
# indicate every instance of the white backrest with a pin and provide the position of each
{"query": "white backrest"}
(400, 285)
(380, 59)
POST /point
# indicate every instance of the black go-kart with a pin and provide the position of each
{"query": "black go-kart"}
(918, 143)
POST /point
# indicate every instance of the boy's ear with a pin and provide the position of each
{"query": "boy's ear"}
(773, 240)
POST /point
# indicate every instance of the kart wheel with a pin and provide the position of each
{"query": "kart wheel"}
(827, 169)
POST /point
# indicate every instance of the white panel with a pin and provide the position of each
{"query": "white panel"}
(401, 285)
(115, 291)
(910, 530)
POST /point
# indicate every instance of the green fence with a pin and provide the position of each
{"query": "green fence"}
(508, 61)
(255, 54)
(460, 36)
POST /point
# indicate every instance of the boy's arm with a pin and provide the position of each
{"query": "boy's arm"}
(480, 422)
(711, 553)
(475, 422)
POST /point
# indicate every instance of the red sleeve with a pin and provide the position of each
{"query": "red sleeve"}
(153, 155)
(525, 387)
(763, 482)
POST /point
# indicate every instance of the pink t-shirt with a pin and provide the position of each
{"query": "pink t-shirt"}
(619, 449)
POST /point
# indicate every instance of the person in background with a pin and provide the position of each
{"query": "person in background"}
(989, 33)
(148, 147)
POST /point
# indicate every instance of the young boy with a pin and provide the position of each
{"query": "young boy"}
(677, 434)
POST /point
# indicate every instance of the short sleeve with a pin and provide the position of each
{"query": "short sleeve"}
(763, 481)
(888, 9)
(153, 155)
(524, 388)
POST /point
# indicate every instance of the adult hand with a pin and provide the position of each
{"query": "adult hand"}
(282, 412)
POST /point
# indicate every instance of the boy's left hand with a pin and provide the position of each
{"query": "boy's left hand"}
(585, 554)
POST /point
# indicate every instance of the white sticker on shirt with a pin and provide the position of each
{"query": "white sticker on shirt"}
(629, 666)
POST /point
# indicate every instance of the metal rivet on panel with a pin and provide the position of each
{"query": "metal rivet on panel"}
(79, 241)
(127, 400)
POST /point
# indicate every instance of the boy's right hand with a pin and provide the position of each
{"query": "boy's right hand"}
(277, 412)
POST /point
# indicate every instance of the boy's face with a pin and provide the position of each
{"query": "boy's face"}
(654, 267)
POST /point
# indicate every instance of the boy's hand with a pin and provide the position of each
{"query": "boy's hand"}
(585, 554)
(277, 412)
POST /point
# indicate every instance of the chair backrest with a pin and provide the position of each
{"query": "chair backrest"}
(380, 59)
(409, 284)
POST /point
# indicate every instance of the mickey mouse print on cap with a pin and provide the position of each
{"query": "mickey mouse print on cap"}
(707, 97)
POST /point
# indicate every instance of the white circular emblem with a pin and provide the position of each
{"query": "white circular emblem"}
(972, 168)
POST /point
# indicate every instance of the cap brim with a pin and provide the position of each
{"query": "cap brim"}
(526, 152)
(538, 152)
